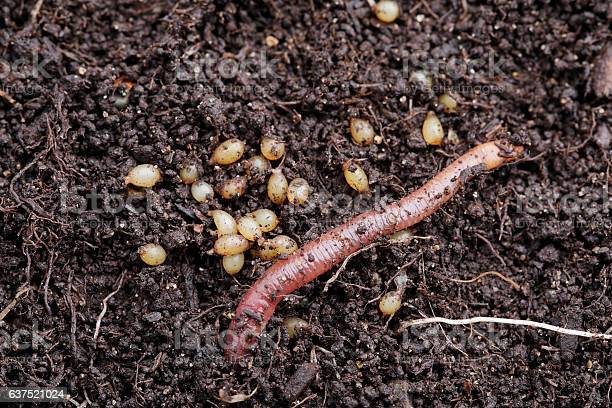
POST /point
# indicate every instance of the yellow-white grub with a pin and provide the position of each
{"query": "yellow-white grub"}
(402, 237)
(277, 187)
(390, 303)
(452, 137)
(257, 166)
(143, 175)
(294, 325)
(362, 132)
(298, 191)
(249, 228)
(284, 245)
(232, 264)
(231, 244)
(202, 192)
(189, 173)
(224, 222)
(433, 133)
(152, 254)
(266, 251)
(233, 188)
(228, 152)
(387, 11)
(272, 149)
(266, 219)
(355, 176)
(449, 103)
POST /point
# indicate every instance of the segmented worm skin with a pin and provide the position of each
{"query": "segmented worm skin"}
(320, 255)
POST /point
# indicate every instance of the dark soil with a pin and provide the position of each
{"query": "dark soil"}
(67, 131)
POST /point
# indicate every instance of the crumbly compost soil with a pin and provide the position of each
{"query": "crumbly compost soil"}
(67, 129)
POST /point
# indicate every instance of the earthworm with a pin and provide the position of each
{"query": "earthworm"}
(320, 255)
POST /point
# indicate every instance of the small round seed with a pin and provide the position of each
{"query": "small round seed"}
(224, 222)
(433, 133)
(233, 188)
(362, 132)
(232, 264)
(266, 219)
(298, 191)
(390, 303)
(202, 191)
(249, 228)
(355, 176)
(231, 244)
(143, 175)
(152, 254)
(189, 173)
(228, 152)
(272, 149)
(277, 187)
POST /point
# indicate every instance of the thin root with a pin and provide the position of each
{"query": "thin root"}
(501, 320)
(490, 245)
(494, 273)
(104, 307)
(348, 258)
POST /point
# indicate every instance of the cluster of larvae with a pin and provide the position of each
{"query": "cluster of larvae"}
(234, 237)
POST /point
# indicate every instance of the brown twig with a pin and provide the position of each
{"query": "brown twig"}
(14, 302)
(8, 98)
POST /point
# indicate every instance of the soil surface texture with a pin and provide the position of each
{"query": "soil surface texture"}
(89, 89)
